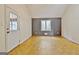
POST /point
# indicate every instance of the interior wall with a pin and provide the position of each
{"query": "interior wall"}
(55, 26)
(70, 23)
(2, 29)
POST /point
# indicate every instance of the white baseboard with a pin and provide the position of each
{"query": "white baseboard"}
(3, 53)
(26, 38)
(70, 39)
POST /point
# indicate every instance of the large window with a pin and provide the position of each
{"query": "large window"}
(45, 25)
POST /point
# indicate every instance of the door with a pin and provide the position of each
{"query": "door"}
(12, 31)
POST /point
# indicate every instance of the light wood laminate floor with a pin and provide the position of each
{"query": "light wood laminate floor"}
(46, 45)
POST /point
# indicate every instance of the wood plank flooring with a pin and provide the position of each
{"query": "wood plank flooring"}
(46, 45)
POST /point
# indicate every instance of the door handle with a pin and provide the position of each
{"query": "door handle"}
(8, 32)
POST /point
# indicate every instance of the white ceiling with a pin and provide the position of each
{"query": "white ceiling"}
(47, 10)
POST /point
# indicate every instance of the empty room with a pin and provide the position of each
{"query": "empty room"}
(39, 29)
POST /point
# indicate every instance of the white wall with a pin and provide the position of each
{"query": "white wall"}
(70, 23)
(2, 29)
(47, 10)
(25, 24)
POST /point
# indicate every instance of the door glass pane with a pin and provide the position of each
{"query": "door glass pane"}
(14, 25)
(13, 22)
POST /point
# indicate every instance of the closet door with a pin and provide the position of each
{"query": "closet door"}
(12, 31)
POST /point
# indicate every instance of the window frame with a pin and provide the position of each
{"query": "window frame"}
(45, 24)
